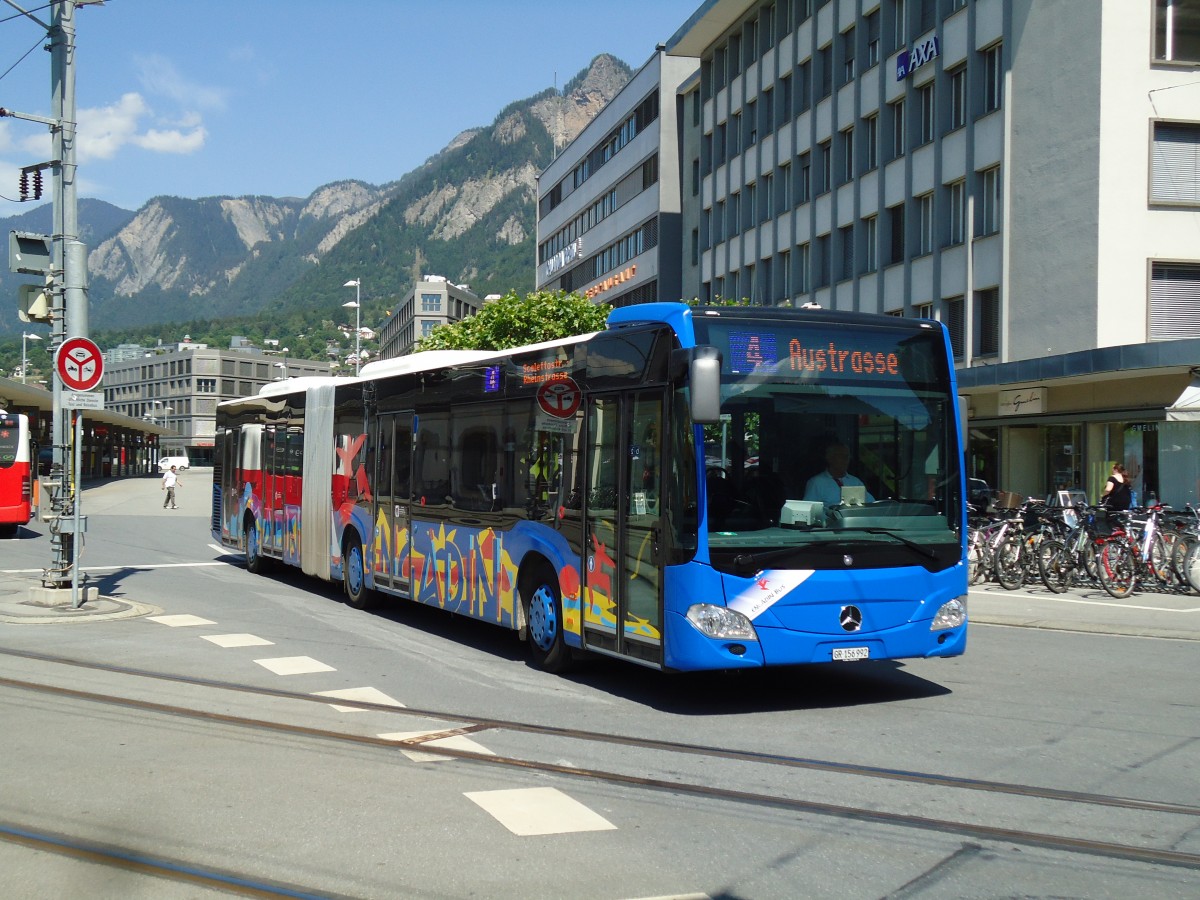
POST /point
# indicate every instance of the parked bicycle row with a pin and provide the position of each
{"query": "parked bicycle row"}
(1149, 549)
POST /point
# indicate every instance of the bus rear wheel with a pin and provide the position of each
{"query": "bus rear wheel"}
(354, 576)
(544, 621)
(255, 564)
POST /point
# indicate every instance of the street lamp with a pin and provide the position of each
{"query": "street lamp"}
(283, 365)
(25, 336)
(357, 285)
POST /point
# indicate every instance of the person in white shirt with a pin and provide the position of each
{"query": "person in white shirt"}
(827, 486)
(170, 480)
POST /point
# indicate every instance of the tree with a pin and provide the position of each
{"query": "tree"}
(513, 321)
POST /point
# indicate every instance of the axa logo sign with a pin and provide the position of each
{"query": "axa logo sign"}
(910, 60)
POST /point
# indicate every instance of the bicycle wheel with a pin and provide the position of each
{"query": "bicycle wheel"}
(1179, 554)
(1054, 564)
(1160, 557)
(1118, 567)
(1191, 566)
(976, 570)
(1010, 569)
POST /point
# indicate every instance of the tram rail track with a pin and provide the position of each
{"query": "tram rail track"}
(475, 725)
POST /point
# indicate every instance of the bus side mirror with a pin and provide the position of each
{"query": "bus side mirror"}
(704, 381)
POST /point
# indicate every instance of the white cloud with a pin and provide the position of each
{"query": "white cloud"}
(160, 78)
(104, 131)
(173, 141)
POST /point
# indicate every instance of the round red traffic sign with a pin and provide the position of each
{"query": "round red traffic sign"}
(80, 364)
(559, 397)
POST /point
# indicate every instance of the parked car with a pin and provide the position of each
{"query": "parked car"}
(179, 462)
(979, 494)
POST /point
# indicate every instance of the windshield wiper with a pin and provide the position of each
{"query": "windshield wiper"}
(752, 561)
(907, 542)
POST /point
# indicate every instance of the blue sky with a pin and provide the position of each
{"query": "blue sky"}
(196, 98)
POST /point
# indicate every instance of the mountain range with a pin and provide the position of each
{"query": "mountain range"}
(468, 213)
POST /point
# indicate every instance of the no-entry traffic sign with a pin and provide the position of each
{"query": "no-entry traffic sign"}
(80, 364)
(559, 397)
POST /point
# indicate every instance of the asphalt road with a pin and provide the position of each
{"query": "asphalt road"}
(187, 740)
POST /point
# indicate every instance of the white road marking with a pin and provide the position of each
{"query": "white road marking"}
(454, 742)
(237, 640)
(180, 621)
(294, 665)
(136, 568)
(1057, 599)
(226, 551)
(530, 811)
(362, 695)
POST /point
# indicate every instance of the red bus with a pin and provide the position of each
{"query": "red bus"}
(18, 455)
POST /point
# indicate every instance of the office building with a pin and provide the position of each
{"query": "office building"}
(1026, 172)
(608, 206)
(433, 301)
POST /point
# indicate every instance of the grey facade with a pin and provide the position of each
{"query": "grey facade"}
(179, 388)
(433, 301)
(609, 206)
(1023, 170)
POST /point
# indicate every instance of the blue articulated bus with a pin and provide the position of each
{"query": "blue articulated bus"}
(691, 488)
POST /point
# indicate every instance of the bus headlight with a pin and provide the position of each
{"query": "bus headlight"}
(721, 622)
(952, 614)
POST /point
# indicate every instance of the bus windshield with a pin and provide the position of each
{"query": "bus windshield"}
(837, 446)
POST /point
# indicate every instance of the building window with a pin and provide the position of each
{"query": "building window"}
(751, 123)
(987, 306)
(803, 86)
(872, 39)
(785, 193)
(824, 167)
(1174, 301)
(821, 263)
(846, 247)
(719, 223)
(803, 284)
(768, 198)
(925, 95)
(783, 108)
(870, 243)
(899, 143)
(695, 177)
(958, 213)
(870, 139)
(1175, 163)
(846, 139)
(989, 213)
(958, 98)
(923, 311)
(896, 234)
(735, 135)
(825, 61)
(431, 303)
(1177, 30)
(734, 222)
(804, 181)
(848, 55)
(750, 210)
(695, 247)
(925, 218)
(900, 26)
(993, 78)
(785, 275)
(954, 324)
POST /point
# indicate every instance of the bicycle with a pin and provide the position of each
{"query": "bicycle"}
(1129, 556)
(1062, 562)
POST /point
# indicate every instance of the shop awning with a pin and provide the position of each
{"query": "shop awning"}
(1187, 407)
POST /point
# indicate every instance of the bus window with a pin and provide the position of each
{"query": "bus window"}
(477, 468)
(431, 465)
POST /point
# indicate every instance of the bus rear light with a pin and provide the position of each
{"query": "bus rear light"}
(952, 614)
(721, 623)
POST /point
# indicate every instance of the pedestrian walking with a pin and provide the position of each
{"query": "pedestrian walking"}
(170, 481)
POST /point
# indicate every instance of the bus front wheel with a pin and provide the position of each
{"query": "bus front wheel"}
(544, 622)
(354, 578)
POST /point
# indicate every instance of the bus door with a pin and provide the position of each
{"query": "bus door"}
(392, 436)
(622, 596)
(274, 467)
